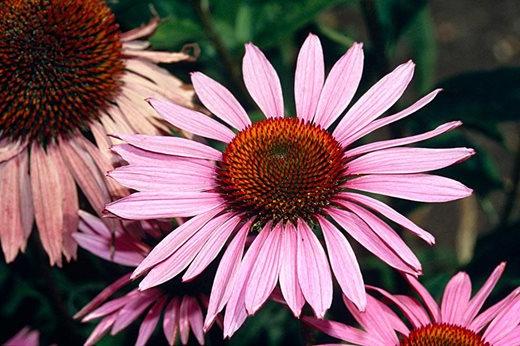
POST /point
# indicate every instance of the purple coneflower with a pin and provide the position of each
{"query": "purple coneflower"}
(290, 181)
(65, 70)
(456, 321)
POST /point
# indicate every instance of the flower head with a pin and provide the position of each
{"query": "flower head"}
(67, 70)
(118, 306)
(456, 321)
(281, 180)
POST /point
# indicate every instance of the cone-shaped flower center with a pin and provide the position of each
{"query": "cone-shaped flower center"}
(281, 169)
(443, 335)
(60, 65)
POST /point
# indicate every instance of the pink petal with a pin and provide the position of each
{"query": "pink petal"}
(9, 149)
(344, 264)
(341, 331)
(86, 174)
(131, 311)
(414, 187)
(226, 274)
(262, 82)
(426, 297)
(211, 249)
(157, 205)
(142, 31)
(150, 322)
(390, 143)
(504, 323)
(407, 160)
(158, 57)
(195, 319)
(192, 121)
(184, 322)
(387, 234)
(264, 274)
(220, 101)
(102, 296)
(478, 300)
(171, 320)
(313, 271)
(172, 146)
(236, 312)
(456, 299)
(289, 285)
(12, 230)
(490, 313)
(360, 231)
(309, 77)
(378, 123)
(184, 177)
(100, 330)
(139, 157)
(340, 86)
(48, 197)
(375, 101)
(173, 241)
(180, 259)
(25, 337)
(111, 306)
(512, 338)
(389, 213)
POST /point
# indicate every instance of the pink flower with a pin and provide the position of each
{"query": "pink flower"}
(456, 321)
(281, 179)
(181, 306)
(25, 337)
(65, 68)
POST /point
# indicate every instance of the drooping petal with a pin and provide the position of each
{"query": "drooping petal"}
(340, 86)
(185, 254)
(378, 123)
(342, 331)
(506, 321)
(375, 101)
(192, 121)
(101, 329)
(407, 160)
(220, 101)
(211, 249)
(313, 271)
(142, 31)
(171, 320)
(264, 274)
(360, 231)
(426, 297)
(344, 264)
(389, 213)
(150, 322)
(157, 205)
(9, 149)
(455, 299)
(195, 319)
(131, 311)
(172, 146)
(390, 143)
(262, 82)
(184, 320)
(309, 77)
(414, 187)
(173, 241)
(289, 285)
(226, 274)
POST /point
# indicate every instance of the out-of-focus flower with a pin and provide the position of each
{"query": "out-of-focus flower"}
(65, 70)
(25, 337)
(456, 321)
(180, 303)
(281, 179)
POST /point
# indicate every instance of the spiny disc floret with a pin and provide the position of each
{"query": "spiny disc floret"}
(443, 334)
(281, 169)
(60, 66)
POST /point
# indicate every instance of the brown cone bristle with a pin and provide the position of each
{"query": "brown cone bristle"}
(60, 66)
(281, 169)
(443, 334)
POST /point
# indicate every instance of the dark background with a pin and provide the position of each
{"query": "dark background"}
(470, 48)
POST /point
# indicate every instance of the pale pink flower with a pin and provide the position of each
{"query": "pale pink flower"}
(25, 337)
(66, 69)
(181, 307)
(280, 179)
(456, 321)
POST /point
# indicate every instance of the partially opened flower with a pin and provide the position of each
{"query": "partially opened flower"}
(118, 305)
(66, 69)
(457, 321)
(25, 337)
(281, 180)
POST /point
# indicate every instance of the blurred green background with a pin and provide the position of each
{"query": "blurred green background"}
(471, 49)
